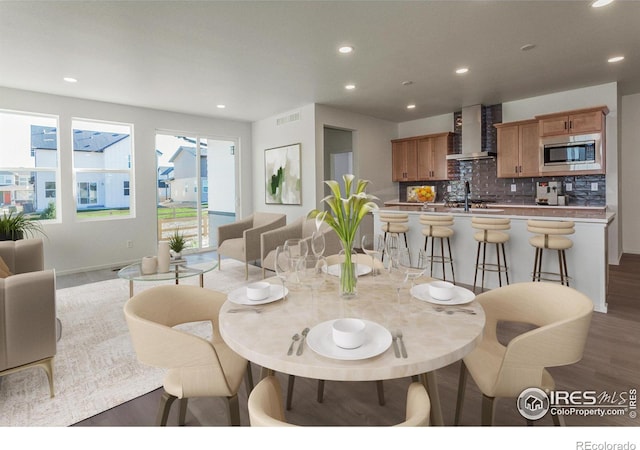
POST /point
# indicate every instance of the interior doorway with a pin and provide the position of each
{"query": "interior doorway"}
(338, 155)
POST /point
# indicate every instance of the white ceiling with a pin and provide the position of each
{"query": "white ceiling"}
(266, 58)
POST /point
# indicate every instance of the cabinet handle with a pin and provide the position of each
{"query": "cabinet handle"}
(516, 169)
(565, 125)
(570, 124)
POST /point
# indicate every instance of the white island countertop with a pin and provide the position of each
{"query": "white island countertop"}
(587, 258)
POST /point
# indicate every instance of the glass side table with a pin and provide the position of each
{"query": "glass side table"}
(178, 269)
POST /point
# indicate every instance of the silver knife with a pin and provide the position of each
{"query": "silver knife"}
(301, 344)
(395, 346)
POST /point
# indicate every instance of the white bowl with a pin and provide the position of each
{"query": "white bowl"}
(348, 333)
(441, 290)
(258, 291)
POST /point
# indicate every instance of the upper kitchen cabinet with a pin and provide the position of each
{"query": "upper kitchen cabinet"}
(404, 160)
(573, 122)
(421, 158)
(518, 149)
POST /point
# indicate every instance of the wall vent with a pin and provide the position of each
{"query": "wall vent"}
(287, 119)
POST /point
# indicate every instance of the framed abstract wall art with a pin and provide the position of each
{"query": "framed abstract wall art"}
(282, 175)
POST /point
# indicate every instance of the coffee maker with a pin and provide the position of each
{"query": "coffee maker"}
(547, 192)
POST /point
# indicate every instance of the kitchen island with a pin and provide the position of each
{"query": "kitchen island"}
(587, 260)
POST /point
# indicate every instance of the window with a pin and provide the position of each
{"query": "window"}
(29, 164)
(103, 169)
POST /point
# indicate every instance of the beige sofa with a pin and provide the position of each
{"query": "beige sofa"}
(241, 240)
(27, 309)
(302, 228)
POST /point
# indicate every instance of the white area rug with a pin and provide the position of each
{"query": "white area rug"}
(95, 367)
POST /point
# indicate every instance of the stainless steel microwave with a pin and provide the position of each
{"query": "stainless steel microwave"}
(566, 153)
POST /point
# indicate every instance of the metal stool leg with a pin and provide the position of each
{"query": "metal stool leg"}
(475, 277)
(499, 266)
(484, 262)
(444, 272)
(506, 266)
(564, 262)
(453, 275)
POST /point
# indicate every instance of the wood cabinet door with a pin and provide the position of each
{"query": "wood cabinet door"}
(440, 149)
(398, 161)
(554, 126)
(424, 159)
(411, 160)
(508, 159)
(529, 143)
(590, 122)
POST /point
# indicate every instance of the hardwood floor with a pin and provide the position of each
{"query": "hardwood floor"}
(611, 363)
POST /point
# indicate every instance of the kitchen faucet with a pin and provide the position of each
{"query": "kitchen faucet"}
(467, 191)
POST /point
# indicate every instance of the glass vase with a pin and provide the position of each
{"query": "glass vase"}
(348, 274)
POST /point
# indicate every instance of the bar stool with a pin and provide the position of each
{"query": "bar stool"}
(491, 233)
(551, 234)
(394, 224)
(437, 227)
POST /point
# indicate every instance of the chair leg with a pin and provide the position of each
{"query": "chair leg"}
(234, 410)
(487, 410)
(432, 255)
(47, 365)
(248, 378)
(380, 387)
(246, 271)
(444, 272)
(320, 392)
(506, 267)
(499, 265)
(183, 411)
(406, 244)
(475, 276)
(564, 263)
(292, 380)
(484, 261)
(535, 266)
(165, 406)
(453, 275)
(540, 265)
(462, 384)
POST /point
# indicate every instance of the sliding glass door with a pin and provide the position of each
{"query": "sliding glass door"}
(196, 187)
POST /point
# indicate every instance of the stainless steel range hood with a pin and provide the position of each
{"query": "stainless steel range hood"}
(472, 130)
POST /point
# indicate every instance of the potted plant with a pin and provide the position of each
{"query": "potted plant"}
(177, 243)
(14, 226)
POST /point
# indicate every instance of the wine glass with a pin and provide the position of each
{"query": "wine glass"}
(311, 272)
(413, 266)
(391, 248)
(282, 265)
(398, 277)
(373, 245)
(317, 243)
(296, 248)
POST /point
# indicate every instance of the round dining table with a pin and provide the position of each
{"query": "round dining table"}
(433, 335)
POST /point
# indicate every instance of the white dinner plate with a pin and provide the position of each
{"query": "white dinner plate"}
(361, 269)
(460, 296)
(239, 296)
(377, 341)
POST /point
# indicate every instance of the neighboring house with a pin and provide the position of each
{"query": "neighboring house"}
(184, 186)
(92, 150)
(165, 175)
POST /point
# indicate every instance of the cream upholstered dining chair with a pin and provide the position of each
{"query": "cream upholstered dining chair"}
(561, 316)
(196, 367)
(364, 260)
(240, 240)
(28, 326)
(266, 409)
(301, 228)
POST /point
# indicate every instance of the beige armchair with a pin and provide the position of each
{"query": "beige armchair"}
(27, 309)
(266, 408)
(561, 316)
(241, 240)
(301, 228)
(197, 367)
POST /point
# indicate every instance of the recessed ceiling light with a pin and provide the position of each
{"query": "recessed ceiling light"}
(221, 106)
(527, 47)
(350, 87)
(70, 80)
(462, 70)
(615, 59)
(407, 83)
(600, 3)
(411, 106)
(345, 49)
